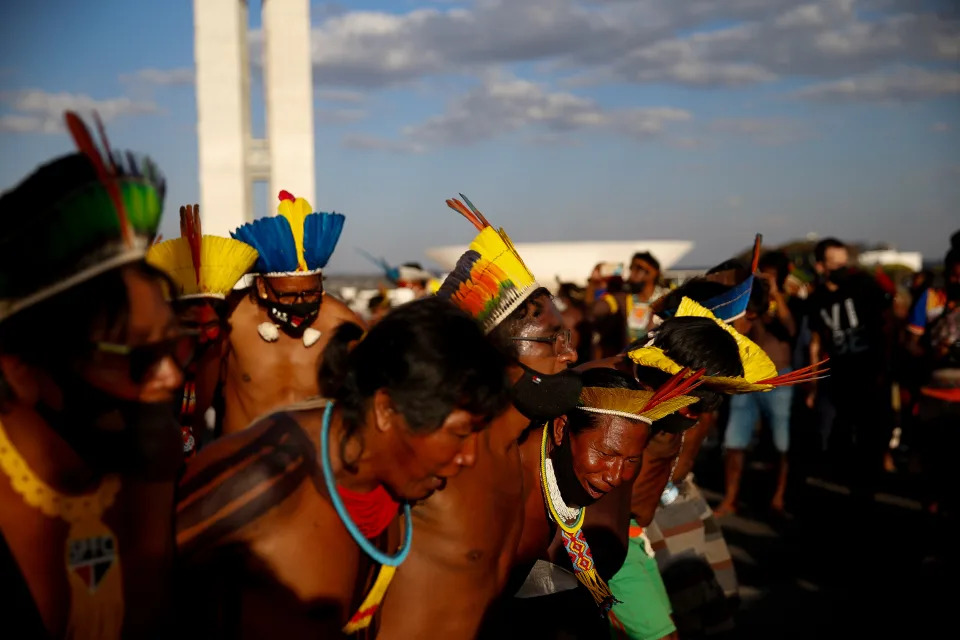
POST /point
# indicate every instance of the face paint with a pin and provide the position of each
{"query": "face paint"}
(542, 397)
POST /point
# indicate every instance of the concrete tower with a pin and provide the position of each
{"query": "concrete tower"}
(231, 159)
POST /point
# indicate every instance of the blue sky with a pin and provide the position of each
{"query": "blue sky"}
(706, 120)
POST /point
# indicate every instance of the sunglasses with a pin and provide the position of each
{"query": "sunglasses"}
(143, 358)
(562, 341)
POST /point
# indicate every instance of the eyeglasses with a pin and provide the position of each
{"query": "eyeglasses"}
(562, 341)
(142, 358)
(639, 267)
(290, 297)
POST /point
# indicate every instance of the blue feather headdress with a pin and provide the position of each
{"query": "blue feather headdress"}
(732, 303)
(295, 242)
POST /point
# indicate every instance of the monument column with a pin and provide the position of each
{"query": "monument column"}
(223, 112)
(288, 85)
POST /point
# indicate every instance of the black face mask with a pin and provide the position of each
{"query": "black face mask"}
(542, 397)
(294, 318)
(839, 276)
(115, 435)
(953, 291)
(570, 488)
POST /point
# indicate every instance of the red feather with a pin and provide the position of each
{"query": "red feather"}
(806, 374)
(756, 253)
(190, 230)
(286, 195)
(86, 145)
(458, 206)
(680, 384)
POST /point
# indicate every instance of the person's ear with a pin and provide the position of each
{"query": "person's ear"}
(383, 410)
(557, 429)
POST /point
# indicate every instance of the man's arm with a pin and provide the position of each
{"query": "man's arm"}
(658, 459)
(814, 357)
(692, 440)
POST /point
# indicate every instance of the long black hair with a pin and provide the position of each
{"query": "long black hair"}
(429, 356)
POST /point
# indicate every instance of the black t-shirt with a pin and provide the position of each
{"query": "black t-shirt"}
(850, 324)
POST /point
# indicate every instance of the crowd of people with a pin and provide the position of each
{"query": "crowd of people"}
(198, 440)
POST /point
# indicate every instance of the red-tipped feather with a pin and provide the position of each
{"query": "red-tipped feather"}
(86, 145)
(190, 231)
(286, 195)
(756, 253)
(806, 374)
(475, 211)
(457, 206)
(680, 384)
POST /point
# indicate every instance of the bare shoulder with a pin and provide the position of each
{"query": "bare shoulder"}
(337, 312)
(236, 480)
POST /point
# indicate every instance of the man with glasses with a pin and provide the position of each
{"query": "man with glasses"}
(91, 357)
(466, 536)
(279, 329)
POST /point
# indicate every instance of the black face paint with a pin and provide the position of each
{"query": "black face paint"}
(542, 397)
(115, 435)
(294, 318)
(570, 488)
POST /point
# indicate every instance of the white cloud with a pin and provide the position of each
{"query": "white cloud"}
(503, 104)
(163, 77)
(899, 84)
(633, 41)
(38, 111)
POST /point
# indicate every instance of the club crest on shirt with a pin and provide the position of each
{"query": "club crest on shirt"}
(91, 558)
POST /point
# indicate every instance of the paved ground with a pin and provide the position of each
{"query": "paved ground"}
(882, 569)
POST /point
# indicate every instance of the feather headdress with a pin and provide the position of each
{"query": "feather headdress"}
(75, 218)
(201, 266)
(296, 242)
(400, 275)
(759, 372)
(645, 406)
(732, 303)
(490, 279)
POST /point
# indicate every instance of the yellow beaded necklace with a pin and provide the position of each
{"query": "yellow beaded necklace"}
(91, 554)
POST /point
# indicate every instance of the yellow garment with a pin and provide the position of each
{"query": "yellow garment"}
(368, 608)
(92, 556)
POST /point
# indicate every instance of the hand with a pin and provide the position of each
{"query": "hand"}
(771, 281)
(595, 277)
(811, 399)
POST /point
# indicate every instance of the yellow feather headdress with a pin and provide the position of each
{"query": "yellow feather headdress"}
(645, 406)
(201, 266)
(490, 279)
(759, 372)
